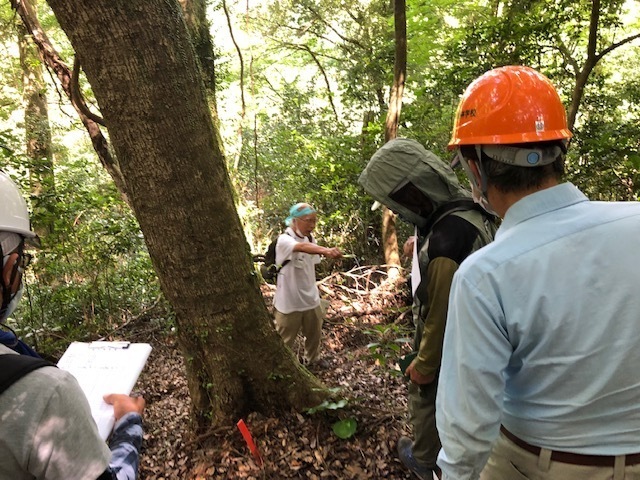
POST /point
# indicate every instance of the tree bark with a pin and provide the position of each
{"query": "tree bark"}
(37, 135)
(389, 235)
(53, 60)
(195, 14)
(142, 67)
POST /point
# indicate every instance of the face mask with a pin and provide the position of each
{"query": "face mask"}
(481, 200)
(15, 298)
(476, 190)
(11, 306)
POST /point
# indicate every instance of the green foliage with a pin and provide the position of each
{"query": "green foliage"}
(388, 343)
(344, 428)
(93, 272)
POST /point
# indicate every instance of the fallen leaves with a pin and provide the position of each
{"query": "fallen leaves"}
(296, 445)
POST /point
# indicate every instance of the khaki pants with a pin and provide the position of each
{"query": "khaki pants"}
(510, 462)
(309, 322)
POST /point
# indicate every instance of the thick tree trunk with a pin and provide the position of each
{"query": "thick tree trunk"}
(142, 67)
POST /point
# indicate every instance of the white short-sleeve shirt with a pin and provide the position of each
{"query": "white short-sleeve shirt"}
(296, 289)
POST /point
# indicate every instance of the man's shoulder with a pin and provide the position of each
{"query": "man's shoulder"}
(286, 236)
(45, 378)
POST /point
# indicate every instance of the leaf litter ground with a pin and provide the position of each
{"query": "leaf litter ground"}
(295, 445)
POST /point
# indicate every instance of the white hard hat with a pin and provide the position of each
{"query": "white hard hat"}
(14, 215)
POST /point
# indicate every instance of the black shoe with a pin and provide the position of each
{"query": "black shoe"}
(320, 364)
(405, 452)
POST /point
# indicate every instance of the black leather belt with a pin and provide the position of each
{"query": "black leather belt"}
(572, 458)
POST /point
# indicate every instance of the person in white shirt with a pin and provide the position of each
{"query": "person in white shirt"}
(297, 301)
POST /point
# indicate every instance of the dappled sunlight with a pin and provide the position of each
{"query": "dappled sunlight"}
(46, 425)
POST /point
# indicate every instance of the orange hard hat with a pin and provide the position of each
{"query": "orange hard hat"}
(507, 105)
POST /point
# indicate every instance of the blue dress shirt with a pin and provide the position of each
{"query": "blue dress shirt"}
(543, 334)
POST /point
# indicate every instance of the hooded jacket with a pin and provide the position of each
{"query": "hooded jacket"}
(452, 228)
(403, 161)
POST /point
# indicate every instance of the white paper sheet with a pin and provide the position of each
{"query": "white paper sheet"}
(415, 265)
(102, 368)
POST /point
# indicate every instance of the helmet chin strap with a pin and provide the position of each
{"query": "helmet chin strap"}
(6, 290)
(483, 186)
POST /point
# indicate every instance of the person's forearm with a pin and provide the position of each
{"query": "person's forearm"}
(310, 248)
(125, 443)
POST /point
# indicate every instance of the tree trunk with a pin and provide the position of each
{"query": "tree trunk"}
(143, 70)
(389, 235)
(38, 135)
(68, 82)
(399, 71)
(195, 14)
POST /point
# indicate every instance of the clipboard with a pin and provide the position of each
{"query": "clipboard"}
(104, 367)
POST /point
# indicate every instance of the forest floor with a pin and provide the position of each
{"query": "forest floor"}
(364, 322)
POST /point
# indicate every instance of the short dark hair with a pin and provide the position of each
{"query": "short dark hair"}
(509, 178)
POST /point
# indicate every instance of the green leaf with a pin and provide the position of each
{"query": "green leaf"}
(345, 428)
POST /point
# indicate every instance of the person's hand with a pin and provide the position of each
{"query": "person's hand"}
(416, 377)
(332, 252)
(123, 404)
(407, 249)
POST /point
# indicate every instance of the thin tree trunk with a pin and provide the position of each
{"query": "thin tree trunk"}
(583, 72)
(38, 135)
(389, 235)
(53, 60)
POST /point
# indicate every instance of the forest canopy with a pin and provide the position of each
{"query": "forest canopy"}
(300, 91)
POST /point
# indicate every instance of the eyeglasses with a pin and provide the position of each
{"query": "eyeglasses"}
(25, 261)
(308, 220)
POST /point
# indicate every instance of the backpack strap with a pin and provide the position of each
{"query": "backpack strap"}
(14, 367)
(286, 261)
(310, 238)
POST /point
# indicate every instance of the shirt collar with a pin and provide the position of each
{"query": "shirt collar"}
(541, 202)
